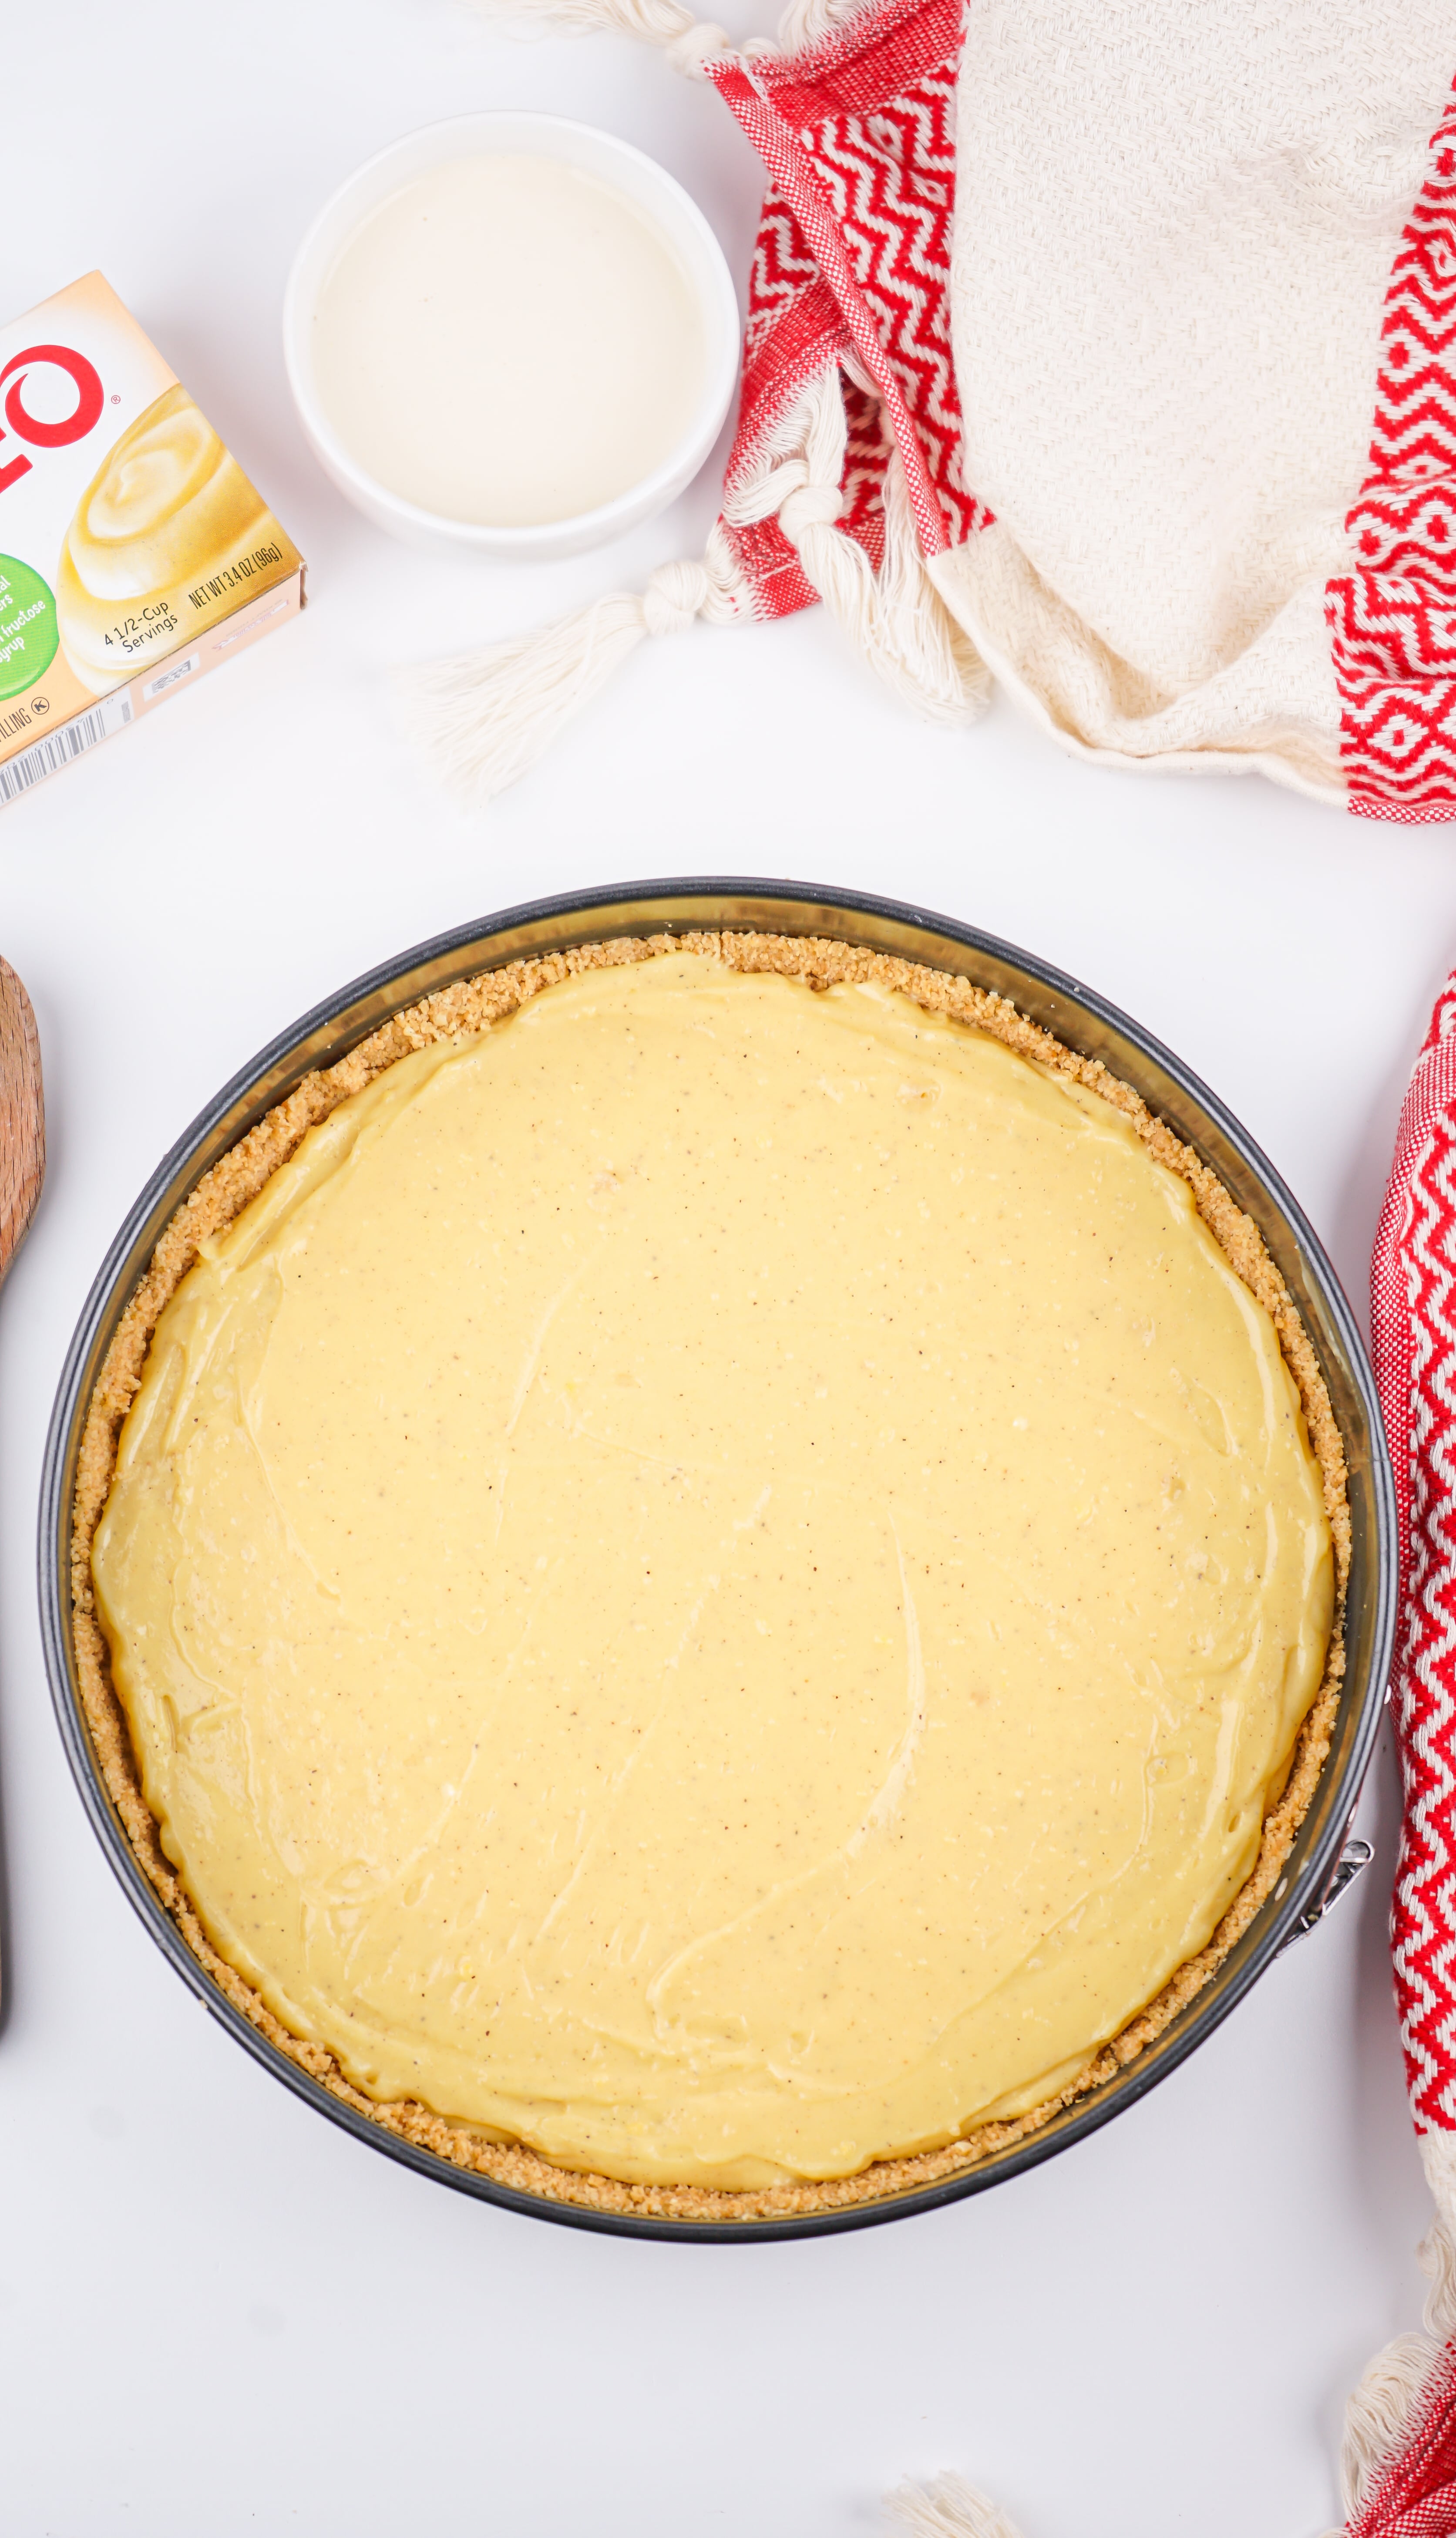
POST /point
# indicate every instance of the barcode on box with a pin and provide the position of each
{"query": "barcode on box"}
(58, 748)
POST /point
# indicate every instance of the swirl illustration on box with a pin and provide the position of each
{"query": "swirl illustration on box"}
(168, 510)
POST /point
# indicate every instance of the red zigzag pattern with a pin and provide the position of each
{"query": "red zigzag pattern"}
(891, 182)
(1413, 1297)
(853, 255)
(1393, 620)
(794, 332)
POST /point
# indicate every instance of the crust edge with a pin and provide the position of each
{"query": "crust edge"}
(236, 1179)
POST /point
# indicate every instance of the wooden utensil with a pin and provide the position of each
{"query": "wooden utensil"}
(22, 1115)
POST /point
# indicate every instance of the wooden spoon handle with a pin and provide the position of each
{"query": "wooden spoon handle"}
(22, 1115)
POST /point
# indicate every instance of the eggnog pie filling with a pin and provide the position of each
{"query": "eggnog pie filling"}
(715, 1578)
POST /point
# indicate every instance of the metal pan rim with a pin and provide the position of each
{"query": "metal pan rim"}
(1078, 1016)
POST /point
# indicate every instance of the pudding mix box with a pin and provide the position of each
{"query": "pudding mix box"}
(134, 554)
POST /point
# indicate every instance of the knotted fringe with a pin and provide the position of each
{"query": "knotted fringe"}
(484, 717)
(1392, 2397)
(895, 618)
(947, 2508)
(688, 41)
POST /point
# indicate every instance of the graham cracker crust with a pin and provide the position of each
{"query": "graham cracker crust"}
(236, 1179)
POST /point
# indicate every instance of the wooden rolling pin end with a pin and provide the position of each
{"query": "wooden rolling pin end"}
(22, 1115)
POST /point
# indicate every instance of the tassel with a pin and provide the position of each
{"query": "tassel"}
(1382, 2414)
(688, 41)
(807, 22)
(1384, 2410)
(947, 2508)
(484, 717)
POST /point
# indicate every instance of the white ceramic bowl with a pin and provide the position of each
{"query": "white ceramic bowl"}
(541, 136)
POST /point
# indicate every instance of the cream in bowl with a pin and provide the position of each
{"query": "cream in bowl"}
(511, 334)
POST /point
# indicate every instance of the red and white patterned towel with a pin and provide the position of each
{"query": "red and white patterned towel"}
(1401, 2463)
(1109, 353)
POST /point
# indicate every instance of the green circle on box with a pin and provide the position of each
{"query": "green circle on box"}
(29, 631)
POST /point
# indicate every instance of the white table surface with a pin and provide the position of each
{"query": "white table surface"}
(218, 2313)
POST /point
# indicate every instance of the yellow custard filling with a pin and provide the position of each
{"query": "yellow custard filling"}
(715, 1578)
